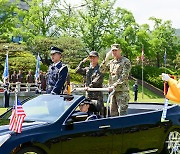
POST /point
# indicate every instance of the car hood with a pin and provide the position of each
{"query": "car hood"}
(4, 129)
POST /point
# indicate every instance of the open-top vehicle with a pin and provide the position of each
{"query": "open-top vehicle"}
(54, 125)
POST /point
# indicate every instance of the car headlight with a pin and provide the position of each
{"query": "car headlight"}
(4, 138)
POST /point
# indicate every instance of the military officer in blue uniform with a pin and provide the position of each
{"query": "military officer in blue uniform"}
(57, 73)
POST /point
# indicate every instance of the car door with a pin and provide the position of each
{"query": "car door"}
(87, 137)
(142, 132)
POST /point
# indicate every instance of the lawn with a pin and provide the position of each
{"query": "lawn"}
(149, 96)
(2, 110)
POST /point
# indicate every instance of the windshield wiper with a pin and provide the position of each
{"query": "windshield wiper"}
(29, 121)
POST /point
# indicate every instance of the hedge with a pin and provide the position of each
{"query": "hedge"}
(151, 74)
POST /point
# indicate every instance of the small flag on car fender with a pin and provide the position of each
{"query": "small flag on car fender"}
(17, 116)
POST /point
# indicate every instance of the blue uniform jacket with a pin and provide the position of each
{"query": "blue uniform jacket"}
(56, 78)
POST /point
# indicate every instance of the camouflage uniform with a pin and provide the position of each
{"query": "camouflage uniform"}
(93, 78)
(118, 77)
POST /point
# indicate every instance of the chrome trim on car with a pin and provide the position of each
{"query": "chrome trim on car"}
(148, 151)
(104, 126)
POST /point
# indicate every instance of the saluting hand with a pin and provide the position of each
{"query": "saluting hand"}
(85, 59)
(108, 55)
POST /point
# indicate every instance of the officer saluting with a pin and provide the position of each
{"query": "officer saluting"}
(57, 73)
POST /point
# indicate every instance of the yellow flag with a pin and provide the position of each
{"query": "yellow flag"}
(68, 89)
(174, 90)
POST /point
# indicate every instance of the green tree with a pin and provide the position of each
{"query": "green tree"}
(143, 37)
(19, 57)
(126, 31)
(94, 22)
(7, 18)
(177, 62)
(123, 30)
(39, 20)
(73, 49)
(67, 21)
(163, 38)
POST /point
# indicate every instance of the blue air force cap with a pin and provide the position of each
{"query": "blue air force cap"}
(56, 50)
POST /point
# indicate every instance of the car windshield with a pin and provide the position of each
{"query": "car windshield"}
(46, 108)
(43, 108)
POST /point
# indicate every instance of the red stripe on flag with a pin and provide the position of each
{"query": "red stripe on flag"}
(17, 118)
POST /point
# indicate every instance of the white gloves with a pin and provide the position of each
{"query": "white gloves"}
(108, 55)
(165, 77)
(53, 93)
(85, 59)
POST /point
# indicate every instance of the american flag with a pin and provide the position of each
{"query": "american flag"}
(17, 116)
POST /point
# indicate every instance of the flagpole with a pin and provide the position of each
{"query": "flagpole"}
(164, 112)
(142, 82)
(165, 60)
(17, 116)
(15, 124)
(142, 58)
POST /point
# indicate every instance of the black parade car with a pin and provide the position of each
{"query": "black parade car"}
(55, 125)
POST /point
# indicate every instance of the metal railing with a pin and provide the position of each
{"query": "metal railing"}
(25, 87)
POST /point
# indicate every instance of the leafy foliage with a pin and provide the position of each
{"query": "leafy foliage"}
(163, 39)
(151, 74)
(7, 18)
(39, 20)
(73, 49)
(177, 62)
(19, 58)
(95, 21)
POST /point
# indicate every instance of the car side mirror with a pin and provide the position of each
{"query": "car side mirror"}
(75, 117)
(78, 116)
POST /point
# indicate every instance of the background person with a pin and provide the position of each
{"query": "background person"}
(135, 90)
(29, 77)
(119, 68)
(42, 80)
(14, 77)
(20, 76)
(57, 73)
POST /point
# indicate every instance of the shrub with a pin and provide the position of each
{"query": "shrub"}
(74, 77)
(151, 74)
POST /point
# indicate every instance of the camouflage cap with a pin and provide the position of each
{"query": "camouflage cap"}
(115, 47)
(93, 54)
